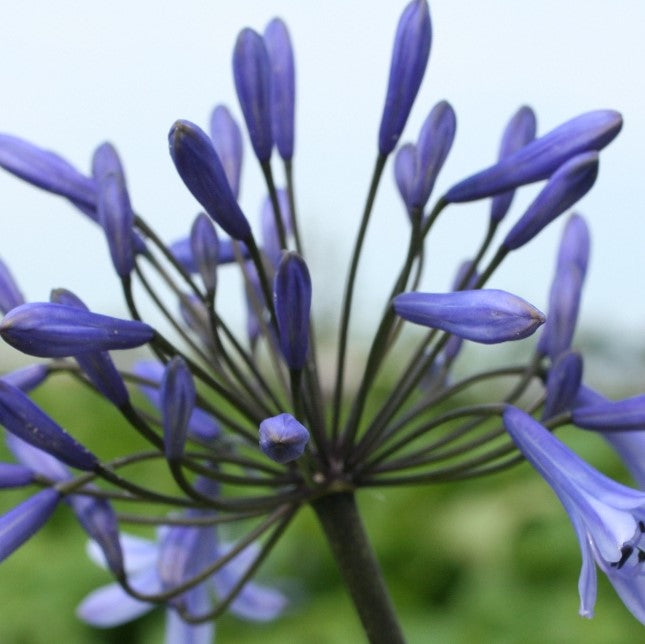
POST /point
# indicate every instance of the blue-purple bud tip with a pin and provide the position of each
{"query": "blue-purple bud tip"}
(283, 438)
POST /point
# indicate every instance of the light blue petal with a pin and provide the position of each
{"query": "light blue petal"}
(180, 632)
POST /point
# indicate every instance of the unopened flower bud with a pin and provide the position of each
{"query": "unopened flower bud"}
(10, 295)
(177, 397)
(227, 141)
(488, 316)
(205, 250)
(283, 438)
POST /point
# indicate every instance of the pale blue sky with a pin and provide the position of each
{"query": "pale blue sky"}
(75, 73)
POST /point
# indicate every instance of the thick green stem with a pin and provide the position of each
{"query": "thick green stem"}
(357, 562)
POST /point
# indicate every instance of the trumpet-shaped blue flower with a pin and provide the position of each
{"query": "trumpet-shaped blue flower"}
(609, 518)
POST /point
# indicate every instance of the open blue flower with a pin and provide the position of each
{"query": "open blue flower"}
(609, 518)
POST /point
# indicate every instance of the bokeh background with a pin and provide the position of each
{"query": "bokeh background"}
(491, 560)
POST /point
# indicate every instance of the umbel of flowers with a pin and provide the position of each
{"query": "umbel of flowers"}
(248, 432)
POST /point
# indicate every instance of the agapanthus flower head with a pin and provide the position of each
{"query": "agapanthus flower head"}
(540, 158)
(292, 295)
(21, 523)
(252, 75)
(519, 131)
(488, 316)
(433, 146)
(283, 86)
(409, 60)
(227, 141)
(608, 518)
(567, 186)
(201, 170)
(283, 438)
(52, 330)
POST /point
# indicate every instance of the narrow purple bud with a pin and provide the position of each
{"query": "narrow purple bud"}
(205, 250)
(292, 295)
(99, 521)
(25, 520)
(177, 396)
(183, 253)
(36, 460)
(488, 316)
(283, 86)
(562, 384)
(612, 415)
(252, 75)
(116, 217)
(201, 171)
(105, 160)
(227, 141)
(433, 146)
(519, 131)
(542, 157)
(27, 421)
(201, 424)
(14, 475)
(52, 330)
(575, 245)
(10, 295)
(405, 172)
(569, 184)
(270, 237)
(27, 378)
(97, 365)
(283, 438)
(46, 170)
(409, 60)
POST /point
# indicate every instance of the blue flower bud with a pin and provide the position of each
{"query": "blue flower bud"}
(270, 237)
(52, 330)
(566, 289)
(97, 365)
(205, 250)
(542, 157)
(117, 218)
(201, 424)
(283, 438)
(177, 396)
(488, 316)
(569, 184)
(612, 415)
(105, 161)
(182, 252)
(21, 523)
(10, 295)
(409, 59)
(201, 170)
(27, 378)
(36, 460)
(99, 521)
(433, 146)
(519, 131)
(27, 421)
(46, 170)
(283, 86)
(252, 75)
(15, 475)
(405, 172)
(575, 245)
(227, 141)
(562, 384)
(292, 295)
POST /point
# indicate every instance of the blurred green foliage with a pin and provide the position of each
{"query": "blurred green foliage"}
(491, 560)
